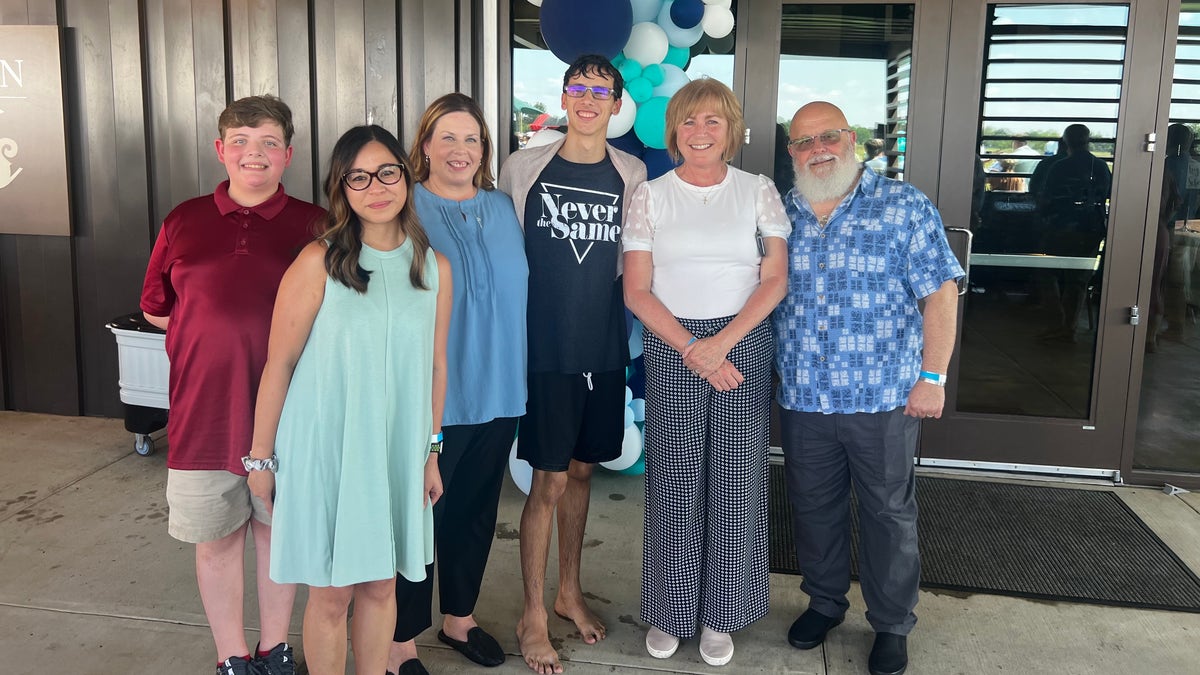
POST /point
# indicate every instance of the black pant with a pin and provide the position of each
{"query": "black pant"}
(464, 523)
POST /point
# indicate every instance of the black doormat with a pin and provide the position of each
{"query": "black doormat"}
(1030, 541)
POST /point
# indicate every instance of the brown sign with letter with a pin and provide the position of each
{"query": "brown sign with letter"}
(34, 198)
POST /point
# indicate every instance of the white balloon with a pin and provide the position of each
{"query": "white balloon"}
(639, 409)
(536, 3)
(519, 469)
(647, 43)
(717, 21)
(544, 137)
(673, 80)
(631, 450)
(720, 3)
(620, 123)
(644, 10)
(629, 420)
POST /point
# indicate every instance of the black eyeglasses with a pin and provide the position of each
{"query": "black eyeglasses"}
(578, 90)
(388, 174)
(826, 137)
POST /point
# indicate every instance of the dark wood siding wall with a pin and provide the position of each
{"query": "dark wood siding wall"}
(145, 82)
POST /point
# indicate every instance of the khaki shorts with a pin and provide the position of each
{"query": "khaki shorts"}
(210, 505)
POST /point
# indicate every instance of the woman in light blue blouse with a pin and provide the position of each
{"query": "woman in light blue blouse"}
(475, 227)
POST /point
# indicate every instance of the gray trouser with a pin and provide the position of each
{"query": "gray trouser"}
(823, 455)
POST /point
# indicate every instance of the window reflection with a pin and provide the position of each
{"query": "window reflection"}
(858, 57)
(1048, 121)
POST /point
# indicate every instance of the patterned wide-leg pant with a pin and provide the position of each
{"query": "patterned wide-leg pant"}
(704, 553)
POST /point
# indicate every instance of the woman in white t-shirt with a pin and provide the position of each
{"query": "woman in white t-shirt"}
(705, 264)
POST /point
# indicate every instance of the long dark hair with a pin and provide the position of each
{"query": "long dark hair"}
(344, 230)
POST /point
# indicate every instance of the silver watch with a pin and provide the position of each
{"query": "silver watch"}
(255, 464)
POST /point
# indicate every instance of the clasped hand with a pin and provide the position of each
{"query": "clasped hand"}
(706, 358)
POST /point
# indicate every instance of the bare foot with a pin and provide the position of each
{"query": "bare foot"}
(534, 639)
(591, 628)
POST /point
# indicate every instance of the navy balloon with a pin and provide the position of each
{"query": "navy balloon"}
(687, 13)
(658, 162)
(573, 28)
(629, 142)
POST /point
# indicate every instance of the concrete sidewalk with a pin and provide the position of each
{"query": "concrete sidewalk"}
(90, 582)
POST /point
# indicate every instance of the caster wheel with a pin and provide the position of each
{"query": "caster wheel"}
(143, 445)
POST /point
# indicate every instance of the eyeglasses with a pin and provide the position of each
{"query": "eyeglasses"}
(826, 137)
(388, 174)
(578, 90)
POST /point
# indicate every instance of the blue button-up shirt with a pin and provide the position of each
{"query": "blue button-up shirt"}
(848, 336)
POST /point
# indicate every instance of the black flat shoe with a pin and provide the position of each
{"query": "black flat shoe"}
(810, 628)
(479, 647)
(411, 667)
(889, 655)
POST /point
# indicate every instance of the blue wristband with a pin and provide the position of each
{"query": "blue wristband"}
(689, 344)
(933, 378)
(436, 438)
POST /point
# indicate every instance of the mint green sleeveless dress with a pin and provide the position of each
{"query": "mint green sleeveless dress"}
(354, 433)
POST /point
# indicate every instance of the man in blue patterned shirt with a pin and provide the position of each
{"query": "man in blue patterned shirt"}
(860, 365)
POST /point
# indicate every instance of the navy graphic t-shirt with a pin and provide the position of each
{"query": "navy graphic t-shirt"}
(572, 240)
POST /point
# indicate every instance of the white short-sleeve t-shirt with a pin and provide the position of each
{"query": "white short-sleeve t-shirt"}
(704, 239)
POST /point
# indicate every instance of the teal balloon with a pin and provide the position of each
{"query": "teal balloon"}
(677, 56)
(639, 89)
(653, 74)
(630, 69)
(618, 60)
(651, 122)
(638, 468)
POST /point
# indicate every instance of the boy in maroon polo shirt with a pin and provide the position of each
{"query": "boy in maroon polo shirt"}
(211, 285)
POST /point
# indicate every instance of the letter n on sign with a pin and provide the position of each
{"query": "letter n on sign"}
(34, 196)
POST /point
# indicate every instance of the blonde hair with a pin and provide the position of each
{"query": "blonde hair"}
(705, 94)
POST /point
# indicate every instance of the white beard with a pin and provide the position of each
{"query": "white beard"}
(817, 189)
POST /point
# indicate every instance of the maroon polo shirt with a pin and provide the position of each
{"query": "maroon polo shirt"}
(215, 269)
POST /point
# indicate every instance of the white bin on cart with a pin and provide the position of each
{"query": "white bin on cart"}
(144, 373)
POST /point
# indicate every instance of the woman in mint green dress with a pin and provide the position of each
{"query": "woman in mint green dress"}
(350, 403)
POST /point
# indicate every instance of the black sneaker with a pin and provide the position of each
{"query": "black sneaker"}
(236, 665)
(278, 662)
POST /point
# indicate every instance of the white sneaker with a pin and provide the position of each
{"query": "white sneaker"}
(661, 645)
(715, 648)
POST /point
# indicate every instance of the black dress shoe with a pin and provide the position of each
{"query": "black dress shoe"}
(479, 647)
(411, 667)
(809, 630)
(889, 655)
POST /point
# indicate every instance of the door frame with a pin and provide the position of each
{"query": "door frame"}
(1057, 444)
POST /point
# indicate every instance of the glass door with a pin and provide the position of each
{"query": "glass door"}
(1049, 168)
(1165, 434)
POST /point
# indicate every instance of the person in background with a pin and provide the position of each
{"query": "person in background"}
(350, 409)
(860, 365)
(876, 160)
(210, 284)
(705, 263)
(475, 227)
(571, 197)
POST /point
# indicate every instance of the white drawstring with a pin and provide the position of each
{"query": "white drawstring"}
(589, 379)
